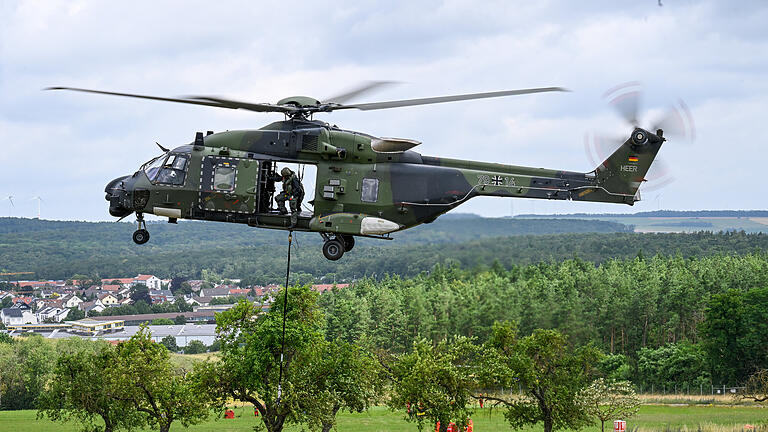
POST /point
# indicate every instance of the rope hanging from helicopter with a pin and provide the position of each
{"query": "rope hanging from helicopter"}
(285, 311)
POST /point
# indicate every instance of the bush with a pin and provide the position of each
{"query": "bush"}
(195, 347)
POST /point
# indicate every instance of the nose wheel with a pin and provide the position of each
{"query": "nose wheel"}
(141, 235)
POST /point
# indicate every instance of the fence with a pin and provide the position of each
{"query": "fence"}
(671, 389)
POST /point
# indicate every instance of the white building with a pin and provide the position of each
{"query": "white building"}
(16, 316)
(53, 313)
(71, 301)
(152, 282)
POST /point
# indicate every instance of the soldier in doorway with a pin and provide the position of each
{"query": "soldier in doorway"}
(293, 192)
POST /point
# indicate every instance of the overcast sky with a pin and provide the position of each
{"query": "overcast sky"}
(64, 147)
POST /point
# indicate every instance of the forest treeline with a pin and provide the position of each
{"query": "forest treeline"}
(58, 250)
(662, 320)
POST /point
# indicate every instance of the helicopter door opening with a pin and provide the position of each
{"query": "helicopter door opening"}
(270, 186)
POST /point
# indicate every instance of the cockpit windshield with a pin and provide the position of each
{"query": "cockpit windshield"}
(150, 168)
(169, 168)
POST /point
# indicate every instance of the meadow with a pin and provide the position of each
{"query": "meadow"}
(712, 418)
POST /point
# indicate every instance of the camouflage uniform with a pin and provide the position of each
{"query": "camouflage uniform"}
(293, 192)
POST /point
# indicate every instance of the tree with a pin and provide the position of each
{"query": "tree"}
(548, 370)
(195, 347)
(249, 364)
(182, 305)
(608, 400)
(162, 321)
(340, 376)
(672, 364)
(170, 343)
(75, 314)
(83, 388)
(435, 380)
(152, 386)
(140, 292)
(26, 365)
(756, 387)
(180, 320)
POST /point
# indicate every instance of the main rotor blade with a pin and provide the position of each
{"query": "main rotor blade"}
(361, 89)
(233, 104)
(443, 99)
(206, 101)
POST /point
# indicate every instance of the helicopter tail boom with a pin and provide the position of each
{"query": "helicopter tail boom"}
(616, 180)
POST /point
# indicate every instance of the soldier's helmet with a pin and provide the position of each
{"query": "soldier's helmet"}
(285, 172)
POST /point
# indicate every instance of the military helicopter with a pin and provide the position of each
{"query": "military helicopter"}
(365, 185)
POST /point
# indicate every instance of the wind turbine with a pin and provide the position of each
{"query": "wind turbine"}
(39, 200)
(10, 203)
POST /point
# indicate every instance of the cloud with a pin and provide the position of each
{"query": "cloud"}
(711, 54)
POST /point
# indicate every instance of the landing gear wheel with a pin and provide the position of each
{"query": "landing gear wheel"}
(140, 236)
(349, 242)
(333, 249)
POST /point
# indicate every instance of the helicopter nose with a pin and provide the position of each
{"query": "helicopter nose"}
(117, 195)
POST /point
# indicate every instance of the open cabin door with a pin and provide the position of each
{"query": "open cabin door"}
(229, 184)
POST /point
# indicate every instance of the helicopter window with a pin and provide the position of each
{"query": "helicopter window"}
(370, 190)
(153, 166)
(172, 171)
(224, 178)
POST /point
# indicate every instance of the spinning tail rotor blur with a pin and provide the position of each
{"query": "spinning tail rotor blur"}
(675, 121)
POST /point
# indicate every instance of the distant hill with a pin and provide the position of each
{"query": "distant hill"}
(56, 249)
(678, 221)
(657, 213)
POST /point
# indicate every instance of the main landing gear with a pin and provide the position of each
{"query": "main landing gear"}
(141, 235)
(334, 247)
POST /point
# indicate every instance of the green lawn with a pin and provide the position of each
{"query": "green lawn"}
(651, 417)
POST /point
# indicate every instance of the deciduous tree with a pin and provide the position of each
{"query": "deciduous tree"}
(251, 352)
(549, 372)
(435, 382)
(83, 388)
(608, 400)
(153, 388)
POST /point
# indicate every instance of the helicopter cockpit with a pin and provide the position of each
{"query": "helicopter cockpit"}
(169, 168)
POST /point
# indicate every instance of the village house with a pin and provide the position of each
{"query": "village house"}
(218, 292)
(25, 300)
(17, 316)
(52, 313)
(126, 282)
(321, 288)
(94, 305)
(161, 296)
(111, 288)
(108, 299)
(70, 301)
(195, 284)
(152, 282)
(48, 302)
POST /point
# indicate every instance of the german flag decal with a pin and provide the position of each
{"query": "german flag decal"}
(633, 158)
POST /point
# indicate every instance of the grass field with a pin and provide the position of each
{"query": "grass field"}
(650, 418)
